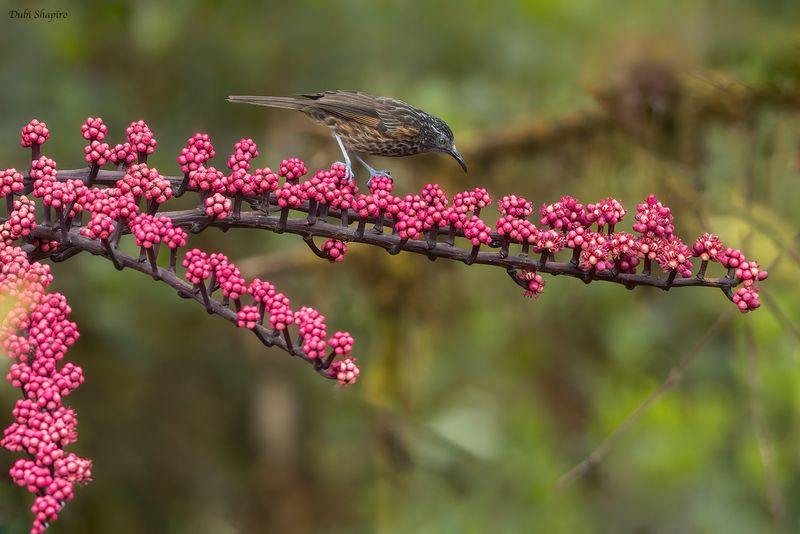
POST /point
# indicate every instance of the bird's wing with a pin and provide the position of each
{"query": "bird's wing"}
(384, 114)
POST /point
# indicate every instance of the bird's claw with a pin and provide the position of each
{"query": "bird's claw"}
(349, 175)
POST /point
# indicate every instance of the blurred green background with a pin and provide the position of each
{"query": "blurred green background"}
(473, 401)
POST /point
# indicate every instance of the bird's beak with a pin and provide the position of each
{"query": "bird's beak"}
(459, 158)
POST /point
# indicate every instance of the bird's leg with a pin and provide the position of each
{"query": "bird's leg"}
(350, 175)
(372, 172)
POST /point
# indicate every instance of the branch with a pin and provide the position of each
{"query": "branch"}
(76, 242)
(300, 226)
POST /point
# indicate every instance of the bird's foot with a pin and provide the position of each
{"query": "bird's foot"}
(349, 174)
(379, 174)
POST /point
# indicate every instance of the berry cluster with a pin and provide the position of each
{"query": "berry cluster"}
(36, 334)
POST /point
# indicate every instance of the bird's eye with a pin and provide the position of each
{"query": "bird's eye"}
(442, 141)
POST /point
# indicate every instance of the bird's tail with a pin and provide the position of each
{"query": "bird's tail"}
(286, 102)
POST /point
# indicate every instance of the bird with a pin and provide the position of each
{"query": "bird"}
(365, 124)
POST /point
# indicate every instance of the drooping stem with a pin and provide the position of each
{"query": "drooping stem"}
(111, 254)
(473, 255)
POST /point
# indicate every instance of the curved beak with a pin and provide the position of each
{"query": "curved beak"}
(459, 158)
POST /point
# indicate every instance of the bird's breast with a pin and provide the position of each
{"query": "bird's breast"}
(368, 140)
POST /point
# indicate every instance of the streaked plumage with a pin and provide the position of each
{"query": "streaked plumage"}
(367, 124)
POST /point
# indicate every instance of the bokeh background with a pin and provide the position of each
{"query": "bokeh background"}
(473, 401)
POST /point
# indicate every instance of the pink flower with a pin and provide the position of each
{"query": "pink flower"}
(477, 232)
(731, 257)
(746, 298)
(607, 211)
(265, 181)
(673, 255)
(198, 268)
(21, 221)
(240, 182)
(345, 371)
(248, 317)
(122, 154)
(157, 188)
(94, 129)
(381, 185)
(514, 206)
(208, 179)
(101, 226)
(749, 272)
(334, 250)
(218, 206)
(432, 194)
(290, 195)
(141, 138)
(653, 218)
(563, 215)
(312, 330)
(280, 314)
(595, 252)
(34, 132)
(43, 170)
(147, 230)
(74, 469)
(199, 149)
(243, 151)
(473, 201)
(11, 182)
(261, 291)
(408, 226)
(550, 241)
(535, 284)
(230, 280)
(707, 247)
(97, 153)
(292, 169)
(341, 343)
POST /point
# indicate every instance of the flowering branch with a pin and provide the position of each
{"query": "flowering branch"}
(92, 210)
(197, 220)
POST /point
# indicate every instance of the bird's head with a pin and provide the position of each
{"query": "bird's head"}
(439, 138)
